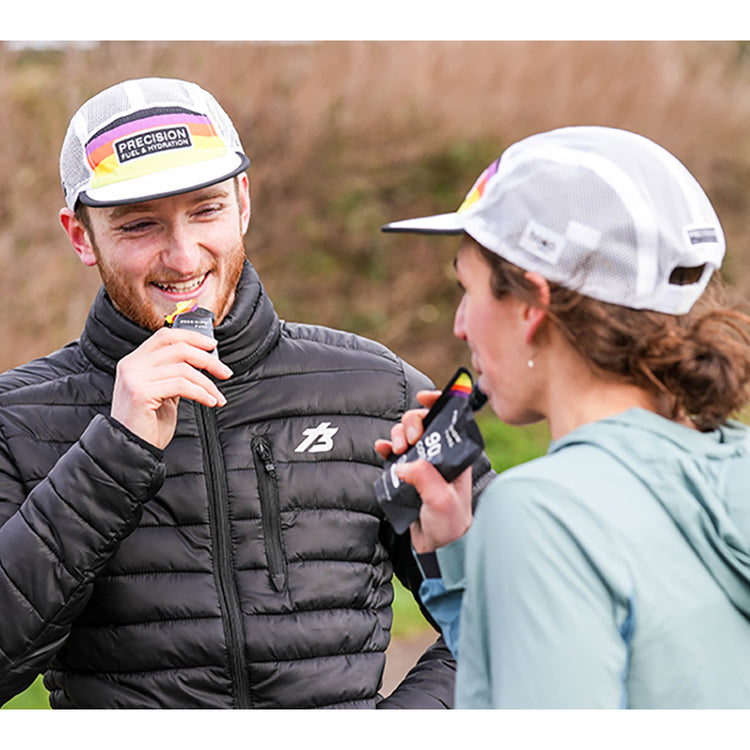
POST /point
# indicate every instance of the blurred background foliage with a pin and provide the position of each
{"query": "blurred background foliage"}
(344, 137)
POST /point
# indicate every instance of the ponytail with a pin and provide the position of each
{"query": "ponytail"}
(695, 365)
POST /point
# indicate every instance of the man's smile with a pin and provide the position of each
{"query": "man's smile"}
(181, 287)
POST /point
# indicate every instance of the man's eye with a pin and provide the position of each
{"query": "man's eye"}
(136, 226)
(208, 210)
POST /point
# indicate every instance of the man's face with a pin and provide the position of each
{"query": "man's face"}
(155, 254)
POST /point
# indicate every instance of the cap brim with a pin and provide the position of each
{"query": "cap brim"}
(439, 224)
(170, 182)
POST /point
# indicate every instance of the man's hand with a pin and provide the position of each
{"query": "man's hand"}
(151, 380)
(445, 513)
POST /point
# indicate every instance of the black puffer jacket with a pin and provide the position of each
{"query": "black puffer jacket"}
(246, 566)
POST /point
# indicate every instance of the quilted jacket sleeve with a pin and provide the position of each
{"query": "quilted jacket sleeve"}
(430, 683)
(54, 541)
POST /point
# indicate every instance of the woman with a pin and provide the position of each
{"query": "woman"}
(615, 570)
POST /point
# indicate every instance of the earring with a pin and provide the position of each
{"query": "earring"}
(530, 363)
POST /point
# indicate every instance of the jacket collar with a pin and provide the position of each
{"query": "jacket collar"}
(245, 335)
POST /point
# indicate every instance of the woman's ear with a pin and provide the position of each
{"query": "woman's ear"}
(535, 315)
(78, 236)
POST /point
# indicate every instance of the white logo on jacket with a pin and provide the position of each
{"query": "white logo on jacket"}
(317, 439)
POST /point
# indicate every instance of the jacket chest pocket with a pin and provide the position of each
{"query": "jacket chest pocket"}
(270, 509)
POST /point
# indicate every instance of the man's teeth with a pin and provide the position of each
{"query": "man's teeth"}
(184, 287)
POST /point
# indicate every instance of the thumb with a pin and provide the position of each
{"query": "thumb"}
(383, 448)
(428, 398)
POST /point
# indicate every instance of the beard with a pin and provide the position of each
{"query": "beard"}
(129, 296)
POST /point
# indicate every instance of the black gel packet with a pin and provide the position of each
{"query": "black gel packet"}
(451, 442)
(198, 319)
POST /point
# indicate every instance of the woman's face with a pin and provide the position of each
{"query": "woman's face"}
(495, 331)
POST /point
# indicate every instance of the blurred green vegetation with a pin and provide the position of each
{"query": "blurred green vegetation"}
(506, 446)
(35, 696)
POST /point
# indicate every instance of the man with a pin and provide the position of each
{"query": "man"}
(181, 529)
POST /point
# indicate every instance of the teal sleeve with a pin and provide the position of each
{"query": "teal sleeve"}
(442, 591)
(545, 623)
(445, 608)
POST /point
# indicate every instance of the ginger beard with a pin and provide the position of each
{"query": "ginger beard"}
(131, 297)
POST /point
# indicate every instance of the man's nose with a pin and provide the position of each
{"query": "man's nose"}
(181, 252)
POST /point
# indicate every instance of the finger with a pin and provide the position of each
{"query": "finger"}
(205, 392)
(399, 443)
(408, 430)
(383, 448)
(210, 363)
(166, 338)
(425, 478)
(412, 423)
(149, 385)
(428, 398)
(167, 350)
(185, 380)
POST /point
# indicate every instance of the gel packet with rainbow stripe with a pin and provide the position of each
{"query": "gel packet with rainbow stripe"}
(187, 314)
(451, 442)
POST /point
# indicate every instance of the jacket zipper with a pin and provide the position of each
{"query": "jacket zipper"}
(218, 515)
(270, 511)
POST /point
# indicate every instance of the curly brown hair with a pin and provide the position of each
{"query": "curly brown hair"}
(695, 365)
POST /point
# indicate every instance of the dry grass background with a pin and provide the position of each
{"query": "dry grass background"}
(345, 136)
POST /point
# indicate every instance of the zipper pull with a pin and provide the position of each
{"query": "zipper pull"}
(265, 456)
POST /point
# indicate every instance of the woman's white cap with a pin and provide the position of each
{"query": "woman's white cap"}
(603, 211)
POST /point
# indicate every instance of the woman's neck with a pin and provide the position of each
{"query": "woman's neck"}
(580, 404)
(577, 394)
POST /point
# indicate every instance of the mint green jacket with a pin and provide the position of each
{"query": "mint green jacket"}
(612, 572)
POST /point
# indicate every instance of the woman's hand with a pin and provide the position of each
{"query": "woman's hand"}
(445, 514)
(409, 429)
